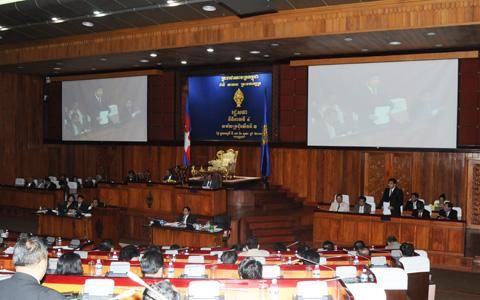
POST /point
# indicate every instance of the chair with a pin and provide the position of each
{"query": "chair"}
(391, 278)
(203, 289)
(418, 270)
(196, 259)
(19, 181)
(73, 187)
(312, 289)
(346, 271)
(428, 207)
(119, 267)
(367, 291)
(271, 271)
(459, 212)
(422, 253)
(378, 260)
(194, 270)
(346, 199)
(99, 287)
(371, 201)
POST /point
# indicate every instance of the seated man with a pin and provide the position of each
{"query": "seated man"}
(364, 251)
(420, 212)
(30, 258)
(358, 245)
(412, 202)
(250, 268)
(328, 246)
(252, 249)
(338, 205)
(362, 207)
(229, 257)
(129, 253)
(392, 243)
(187, 218)
(311, 257)
(407, 250)
(164, 288)
(152, 263)
(69, 263)
(81, 206)
(448, 213)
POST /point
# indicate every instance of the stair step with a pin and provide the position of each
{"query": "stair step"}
(272, 232)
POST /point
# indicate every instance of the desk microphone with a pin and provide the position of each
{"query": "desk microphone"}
(312, 262)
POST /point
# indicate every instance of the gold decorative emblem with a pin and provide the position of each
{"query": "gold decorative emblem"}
(238, 97)
(265, 134)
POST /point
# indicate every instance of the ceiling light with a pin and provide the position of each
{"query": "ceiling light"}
(57, 20)
(254, 52)
(87, 24)
(2, 2)
(103, 59)
(431, 33)
(364, 50)
(144, 61)
(297, 53)
(3, 28)
(210, 50)
(93, 69)
(136, 66)
(209, 8)
(274, 44)
(266, 55)
(98, 13)
(173, 3)
(57, 68)
(439, 45)
(159, 63)
(348, 39)
(153, 54)
(394, 43)
(237, 58)
(183, 62)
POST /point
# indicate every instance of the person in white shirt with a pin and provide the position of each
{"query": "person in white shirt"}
(338, 205)
(252, 249)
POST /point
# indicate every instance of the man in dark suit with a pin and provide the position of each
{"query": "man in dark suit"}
(420, 212)
(412, 202)
(448, 213)
(362, 207)
(394, 196)
(81, 206)
(97, 105)
(30, 260)
(187, 218)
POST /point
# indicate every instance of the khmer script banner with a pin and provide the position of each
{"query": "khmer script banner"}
(229, 107)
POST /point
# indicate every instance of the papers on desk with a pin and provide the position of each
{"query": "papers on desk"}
(9, 250)
(386, 208)
(175, 224)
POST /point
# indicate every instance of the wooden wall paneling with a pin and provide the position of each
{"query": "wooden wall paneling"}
(402, 171)
(469, 103)
(378, 233)
(375, 173)
(422, 237)
(472, 212)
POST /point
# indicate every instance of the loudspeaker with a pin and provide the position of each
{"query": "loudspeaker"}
(248, 8)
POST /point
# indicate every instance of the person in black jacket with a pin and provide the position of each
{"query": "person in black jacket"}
(420, 212)
(30, 258)
(394, 196)
(448, 213)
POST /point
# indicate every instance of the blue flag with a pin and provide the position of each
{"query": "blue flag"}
(265, 155)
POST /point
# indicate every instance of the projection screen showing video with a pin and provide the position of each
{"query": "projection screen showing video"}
(113, 109)
(396, 104)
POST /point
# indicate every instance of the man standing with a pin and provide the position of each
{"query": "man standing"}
(393, 197)
(30, 260)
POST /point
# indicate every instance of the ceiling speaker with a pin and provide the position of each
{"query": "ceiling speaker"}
(248, 8)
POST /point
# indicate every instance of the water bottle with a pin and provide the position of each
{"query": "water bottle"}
(356, 261)
(114, 255)
(6, 233)
(174, 258)
(170, 271)
(98, 268)
(274, 290)
(186, 252)
(59, 241)
(289, 262)
(316, 272)
(59, 252)
(219, 259)
(278, 253)
(364, 276)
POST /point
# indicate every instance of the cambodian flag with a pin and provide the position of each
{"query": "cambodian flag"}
(187, 129)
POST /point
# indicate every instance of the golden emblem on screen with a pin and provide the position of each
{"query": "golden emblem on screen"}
(238, 97)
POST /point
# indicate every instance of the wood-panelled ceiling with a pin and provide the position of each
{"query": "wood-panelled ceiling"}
(355, 29)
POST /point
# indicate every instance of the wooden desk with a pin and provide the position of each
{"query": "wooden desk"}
(27, 198)
(438, 237)
(102, 225)
(185, 237)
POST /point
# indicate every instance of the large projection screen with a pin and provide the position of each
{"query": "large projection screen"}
(113, 109)
(395, 104)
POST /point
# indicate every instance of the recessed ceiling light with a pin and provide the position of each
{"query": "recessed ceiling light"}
(274, 44)
(439, 45)
(431, 33)
(153, 54)
(364, 50)
(98, 13)
(144, 61)
(3, 28)
(172, 3)
(159, 63)
(348, 39)
(394, 43)
(183, 62)
(254, 52)
(297, 53)
(266, 55)
(87, 24)
(237, 58)
(103, 59)
(209, 8)
(57, 20)
(210, 50)
(93, 69)
(136, 66)
(57, 68)
(2, 2)
(20, 67)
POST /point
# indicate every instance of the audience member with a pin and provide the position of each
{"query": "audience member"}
(252, 248)
(105, 245)
(187, 218)
(70, 204)
(362, 207)
(358, 245)
(328, 246)
(448, 213)
(392, 243)
(420, 212)
(69, 263)
(338, 205)
(81, 206)
(407, 250)
(30, 258)
(311, 257)
(152, 263)
(412, 202)
(364, 251)
(279, 247)
(95, 204)
(165, 288)
(250, 268)
(129, 253)
(229, 257)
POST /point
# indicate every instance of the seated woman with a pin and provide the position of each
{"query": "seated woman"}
(69, 263)
(250, 268)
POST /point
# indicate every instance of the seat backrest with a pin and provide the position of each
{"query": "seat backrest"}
(271, 271)
(19, 181)
(346, 271)
(422, 253)
(367, 291)
(203, 289)
(99, 287)
(196, 259)
(428, 208)
(371, 201)
(422, 200)
(312, 289)
(415, 264)
(391, 278)
(119, 267)
(459, 212)
(378, 260)
(346, 199)
(194, 270)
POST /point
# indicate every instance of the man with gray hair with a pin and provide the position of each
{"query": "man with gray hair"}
(30, 258)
